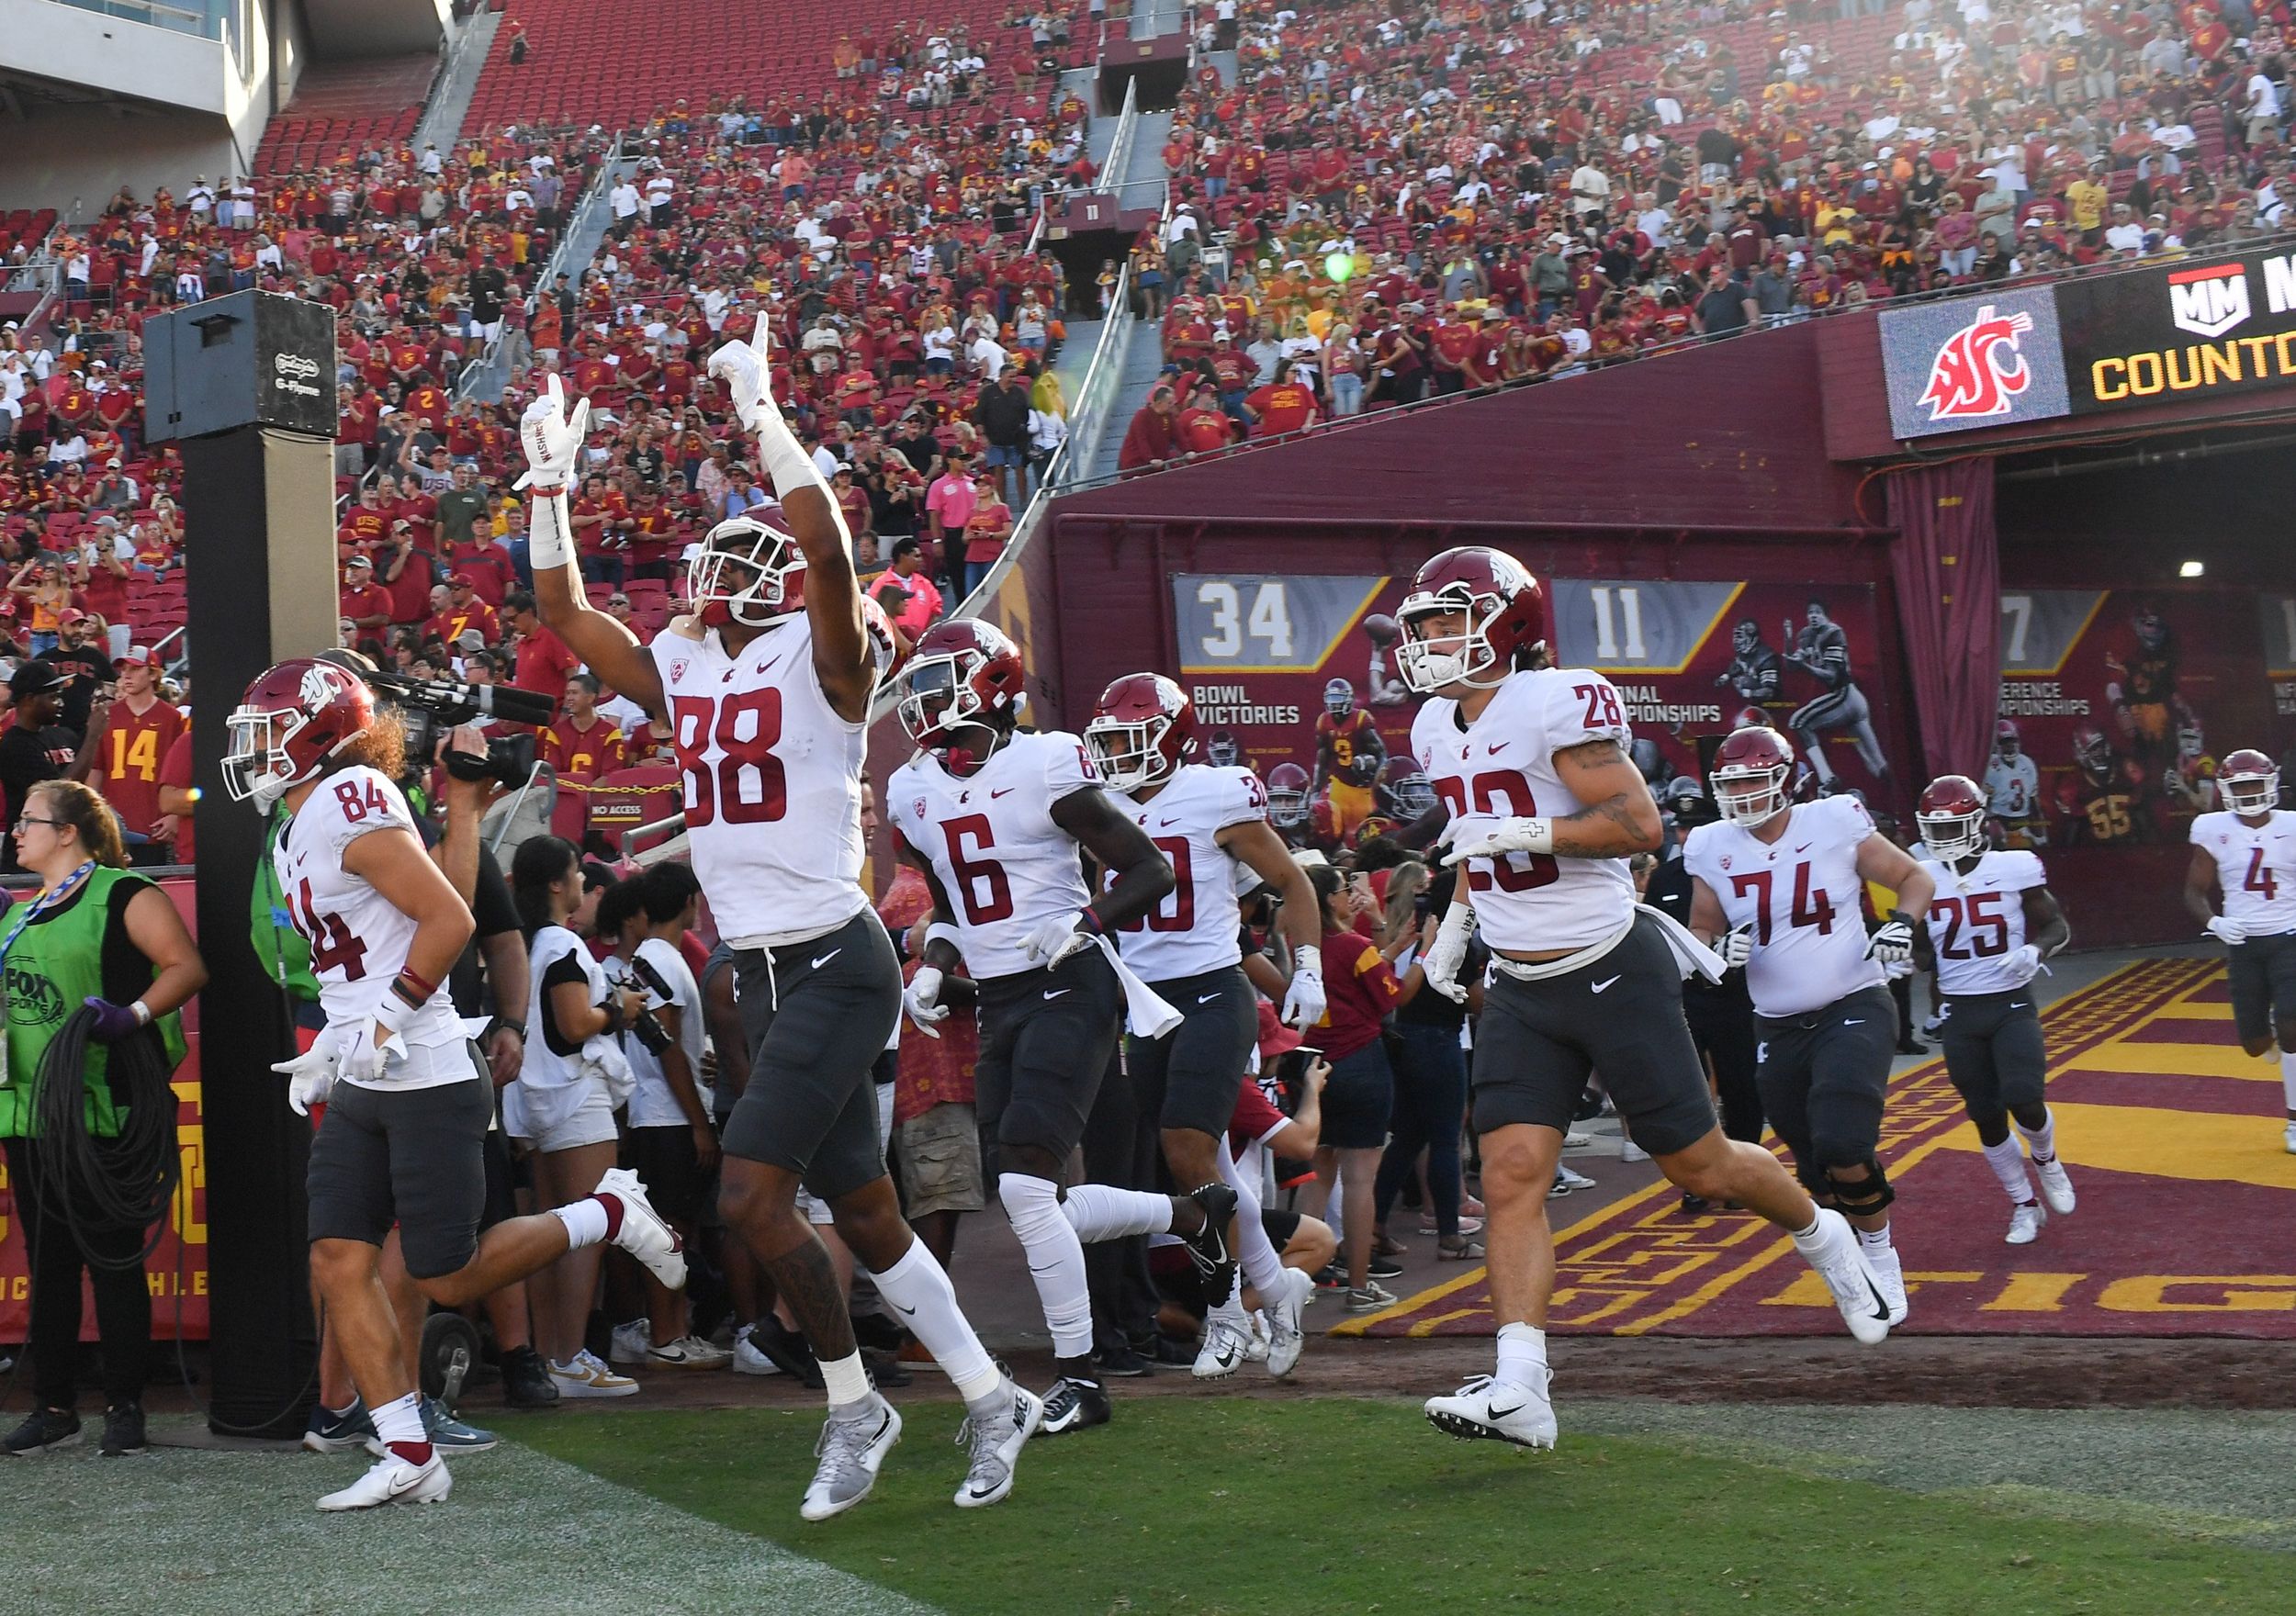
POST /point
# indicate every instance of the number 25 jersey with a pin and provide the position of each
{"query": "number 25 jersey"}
(1501, 766)
(1801, 895)
(1977, 920)
(1193, 930)
(2256, 868)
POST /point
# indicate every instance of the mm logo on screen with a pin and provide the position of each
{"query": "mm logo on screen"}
(2213, 299)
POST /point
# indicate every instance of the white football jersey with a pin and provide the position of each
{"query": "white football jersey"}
(1801, 893)
(1194, 929)
(771, 783)
(2012, 786)
(1503, 766)
(1977, 920)
(2256, 868)
(358, 938)
(992, 842)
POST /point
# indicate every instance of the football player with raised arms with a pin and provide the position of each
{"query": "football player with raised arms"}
(408, 1098)
(1210, 822)
(2247, 850)
(1778, 887)
(1546, 809)
(995, 819)
(1991, 924)
(767, 691)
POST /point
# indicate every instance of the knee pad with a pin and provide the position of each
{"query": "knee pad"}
(1863, 1197)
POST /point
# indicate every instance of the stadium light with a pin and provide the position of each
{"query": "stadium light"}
(2191, 569)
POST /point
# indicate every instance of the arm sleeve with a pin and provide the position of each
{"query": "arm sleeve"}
(2025, 871)
(1856, 823)
(357, 801)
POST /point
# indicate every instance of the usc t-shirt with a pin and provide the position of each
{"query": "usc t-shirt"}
(1361, 989)
(1282, 406)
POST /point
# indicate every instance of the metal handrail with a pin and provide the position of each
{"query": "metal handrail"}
(593, 197)
(1127, 130)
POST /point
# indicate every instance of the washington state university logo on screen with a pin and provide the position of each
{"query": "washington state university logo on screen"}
(1978, 371)
(2208, 302)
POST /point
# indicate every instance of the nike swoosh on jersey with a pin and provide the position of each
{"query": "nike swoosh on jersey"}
(1003, 791)
(1054, 993)
(1804, 847)
(824, 958)
(1603, 984)
(1166, 823)
(1499, 746)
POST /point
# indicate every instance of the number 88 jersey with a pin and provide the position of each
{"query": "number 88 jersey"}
(1977, 920)
(1802, 894)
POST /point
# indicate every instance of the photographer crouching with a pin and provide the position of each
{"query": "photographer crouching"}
(97, 960)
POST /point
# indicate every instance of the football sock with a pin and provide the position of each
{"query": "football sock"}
(1263, 1265)
(2009, 1165)
(1876, 1238)
(1102, 1212)
(845, 1380)
(1811, 1241)
(2043, 1141)
(2288, 1080)
(587, 1222)
(925, 1301)
(1522, 1354)
(1056, 1259)
(398, 1425)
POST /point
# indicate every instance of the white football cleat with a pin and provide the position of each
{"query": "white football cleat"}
(1287, 1336)
(391, 1480)
(1509, 1413)
(643, 1234)
(1839, 1262)
(2025, 1221)
(850, 1451)
(2056, 1185)
(2290, 1142)
(994, 1446)
(1226, 1339)
(1889, 1273)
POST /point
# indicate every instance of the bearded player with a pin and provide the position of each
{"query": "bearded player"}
(2247, 850)
(1213, 825)
(1547, 809)
(994, 819)
(767, 691)
(1990, 926)
(1348, 755)
(1778, 885)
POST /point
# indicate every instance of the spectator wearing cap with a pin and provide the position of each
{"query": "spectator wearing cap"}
(81, 656)
(544, 662)
(1204, 428)
(36, 746)
(364, 604)
(463, 611)
(742, 496)
(948, 507)
(911, 601)
(139, 732)
(985, 531)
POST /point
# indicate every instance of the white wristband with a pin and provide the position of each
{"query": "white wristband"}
(787, 461)
(547, 545)
(143, 1012)
(941, 931)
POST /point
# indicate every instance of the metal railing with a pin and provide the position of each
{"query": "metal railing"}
(1127, 130)
(593, 197)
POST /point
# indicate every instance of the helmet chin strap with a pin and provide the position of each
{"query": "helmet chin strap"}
(964, 760)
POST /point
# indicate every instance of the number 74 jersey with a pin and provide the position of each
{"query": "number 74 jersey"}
(1802, 894)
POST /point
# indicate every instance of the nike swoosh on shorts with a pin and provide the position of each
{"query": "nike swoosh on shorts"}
(1603, 984)
(824, 958)
(1054, 993)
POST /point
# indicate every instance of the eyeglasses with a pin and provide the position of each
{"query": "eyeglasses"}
(51, 824)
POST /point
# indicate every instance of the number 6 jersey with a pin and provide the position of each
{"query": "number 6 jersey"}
(1801, 893)
(1977, 920)
(1501, 766)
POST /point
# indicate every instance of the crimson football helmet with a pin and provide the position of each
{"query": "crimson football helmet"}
(1288, 796)
(293, 719)
(1405, 788)
(1339, 697)
(964, 674)
(1506, 615)
(1951, 817)
(1750, 769)
(2093, 753)
(750, 572)
(2006, 740)
(1142, 728)
(2249, 782)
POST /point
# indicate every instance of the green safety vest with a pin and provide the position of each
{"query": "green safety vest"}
(286, 958)
(51, 967)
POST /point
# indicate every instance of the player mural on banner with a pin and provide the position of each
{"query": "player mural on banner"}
(1295, 678)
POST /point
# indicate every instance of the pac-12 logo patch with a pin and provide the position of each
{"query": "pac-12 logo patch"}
(1978, 371)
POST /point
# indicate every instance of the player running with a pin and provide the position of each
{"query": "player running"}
(2247, 849)
(408, 1098)
(1349, 752)
(1777, 886)
(1546, 810)
(1822, 651)
(1210, 822)
(1990, 926)
(994, 819)
(767, 691)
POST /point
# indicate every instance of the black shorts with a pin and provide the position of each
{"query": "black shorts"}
(818, 1015)
(1621, 1017)
(502, 1181)
(1281, 1224)
(1358, 1100)
(1046, 1037)
(665, 1161)
(1822, 1077)
(2263, 974)
(413, 1157)
(1994, 1050)
(1189, 1077)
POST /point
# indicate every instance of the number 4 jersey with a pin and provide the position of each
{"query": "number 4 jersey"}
(1977, 920)
(1801, 894)
(2256, 868)
(1194, 929)
(358, 938)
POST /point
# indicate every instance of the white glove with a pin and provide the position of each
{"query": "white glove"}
(310, 1076)
(1056, 939)
(2226, 929)
(1447, 956)
(362, 1056)
(742, 368)
(921, 999)
(1894, 968)
(553, 439)
(1892, 944)
(1737, 946)
(2024, 962)
(1510, 836)
(1303, 1000)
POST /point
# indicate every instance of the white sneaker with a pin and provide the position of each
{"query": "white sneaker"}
(643, 1234)
(1483, 1407)
(850, 1452)
(1226, 1337)
(391, 1480)
(994, 1447)
(1864, 1305)
(1889, 1273)
(2056, 1185)
(1287, 1338)
(2025, 1221)
(747, 1359)
(689, 1351)
(587, 1377)
(2290, 1140)
(1630, 1152)
(1577, 1141)
(1569, 1180)
(1258, 1343)
(631, 1341)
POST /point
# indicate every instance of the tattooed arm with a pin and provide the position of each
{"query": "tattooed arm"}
(1620, 819)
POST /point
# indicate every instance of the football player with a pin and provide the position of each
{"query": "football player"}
(2143, 689)
(1546, 810)
(1289, 809)
(994, 819)
(2013, 785)
(1349, 754)
(1213, 825)
(1822, 651)
(766, 688)
(1385, 689)
(1778, 887)
(1753, 671)
(2247, 850)
(2103, 801)
(1990, 926)
(408, 1105)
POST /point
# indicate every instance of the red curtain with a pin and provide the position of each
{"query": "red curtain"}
(1948, 570)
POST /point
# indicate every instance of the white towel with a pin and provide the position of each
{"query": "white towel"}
(1148, 1016)
(1693, 956)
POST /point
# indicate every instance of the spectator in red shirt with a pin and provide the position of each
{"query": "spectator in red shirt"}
(175, 797)
(463, 609)
(583, 742)
(1283, 406)
(1362, 988)
(1204, 426)
(365, 604)
(910, 601)
(1150, 441)
(138, 733)
(544, 662)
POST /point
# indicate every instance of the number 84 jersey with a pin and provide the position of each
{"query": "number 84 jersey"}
(1977, 920)
(1802, 896)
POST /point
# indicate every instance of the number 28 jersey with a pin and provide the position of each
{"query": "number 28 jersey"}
(1977, 920)
(991, 839)
(2256, 868)
(1801, 895)
(1193, 930)
(358, 938)
(1500, 766)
